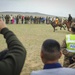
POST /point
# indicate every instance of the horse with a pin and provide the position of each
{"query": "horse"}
(59, 24)
(68, 24)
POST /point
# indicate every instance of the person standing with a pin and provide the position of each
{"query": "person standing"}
(7, 19)
(68, 47)
(50, 54)
(11, 18)
(11, 59)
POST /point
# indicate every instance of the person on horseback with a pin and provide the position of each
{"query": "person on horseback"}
(70, 19)
(56, 20)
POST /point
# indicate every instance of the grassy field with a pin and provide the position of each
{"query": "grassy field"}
(32, 37)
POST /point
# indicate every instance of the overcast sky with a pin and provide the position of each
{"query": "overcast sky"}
(51, 7)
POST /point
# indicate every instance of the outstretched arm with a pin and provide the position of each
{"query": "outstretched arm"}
(13, 61)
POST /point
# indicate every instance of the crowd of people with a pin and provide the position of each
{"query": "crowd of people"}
(21, 19)
(13, 57)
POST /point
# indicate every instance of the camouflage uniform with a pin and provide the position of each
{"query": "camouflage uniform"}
(67, 55)
(72, 65)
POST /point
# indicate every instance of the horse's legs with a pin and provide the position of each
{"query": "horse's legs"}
(67, 28)
(64, 27)
(60, 27)
(54, 29)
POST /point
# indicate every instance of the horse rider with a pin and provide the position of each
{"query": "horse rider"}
(56, 20)
(70, 19)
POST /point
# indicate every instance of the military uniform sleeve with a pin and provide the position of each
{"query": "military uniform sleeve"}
(63, 46)
(14, 59)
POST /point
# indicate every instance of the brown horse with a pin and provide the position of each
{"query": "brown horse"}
(54, 25)
(68, 24)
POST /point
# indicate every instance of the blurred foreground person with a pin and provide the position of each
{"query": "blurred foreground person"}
(50, 53)
(68, 47)
(12, 59)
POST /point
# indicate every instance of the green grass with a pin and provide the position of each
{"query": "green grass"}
(32, 37)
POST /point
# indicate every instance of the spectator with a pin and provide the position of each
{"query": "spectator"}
(12, 59)
(11, 18)
(50, 53)
(7, 19)
(68, 47)
(3, 18)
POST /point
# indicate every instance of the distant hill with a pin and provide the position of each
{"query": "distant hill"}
(26, 14)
